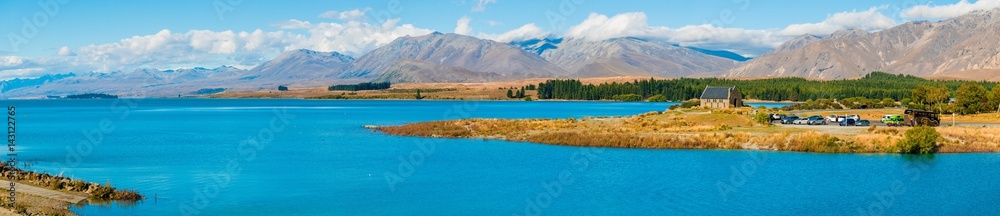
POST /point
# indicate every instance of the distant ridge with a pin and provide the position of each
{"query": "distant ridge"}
(633, 57)
(950, 48)
(454, 51)
(298, 64)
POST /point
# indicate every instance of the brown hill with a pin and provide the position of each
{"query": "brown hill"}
(953, 48)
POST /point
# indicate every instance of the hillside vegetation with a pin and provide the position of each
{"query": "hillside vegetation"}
(876, 85)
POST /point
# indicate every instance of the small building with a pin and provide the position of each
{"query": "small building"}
(715, 97)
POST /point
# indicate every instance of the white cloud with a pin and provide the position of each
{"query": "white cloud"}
(600, 27)
(330, 14)
(481, 5)
(494, 23)
(356, 14)
(462, 26)
(870, 20)
(529, 31)
(65, 51)
(292, 24)
(947, 11)
(744, 41)
(355, 38)
(10, 61)
(167, 49)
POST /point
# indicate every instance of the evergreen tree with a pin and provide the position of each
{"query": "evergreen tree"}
(971, 98)
(361, 86)
(994, 98)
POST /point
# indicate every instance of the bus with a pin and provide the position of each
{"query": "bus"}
(915, 118)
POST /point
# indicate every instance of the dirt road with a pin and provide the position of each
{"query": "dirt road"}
(42, 192)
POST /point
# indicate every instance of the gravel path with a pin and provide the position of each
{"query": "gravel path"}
(42, 192)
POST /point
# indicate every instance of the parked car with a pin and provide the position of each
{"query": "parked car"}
(862, 123)
(856, 117)
(816, 120)
(801, 121)
(832, 118)
(894, 120)
(789, 119)
(847, 122)
(778, 117)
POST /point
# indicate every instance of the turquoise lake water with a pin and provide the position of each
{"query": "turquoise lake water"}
(308, 157)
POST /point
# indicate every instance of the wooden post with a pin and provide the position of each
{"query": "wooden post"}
(953, 119)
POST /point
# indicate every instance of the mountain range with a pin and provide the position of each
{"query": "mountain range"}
(966, 47)
(633, 57)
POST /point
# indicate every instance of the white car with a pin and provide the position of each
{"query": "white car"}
(832, 118)
(801, 121)
(856, 117)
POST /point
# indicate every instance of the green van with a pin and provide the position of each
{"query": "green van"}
(894, 120)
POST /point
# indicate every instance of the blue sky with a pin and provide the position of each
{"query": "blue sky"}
(125, 35)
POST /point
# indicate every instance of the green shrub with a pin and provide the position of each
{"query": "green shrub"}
(627, 97)
(686, 104)
(762, 117)
(657, 98)
(724, 127)
(919, 140)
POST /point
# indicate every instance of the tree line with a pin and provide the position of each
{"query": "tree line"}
(876, 85)
(361, 86)
(516, 94)
(92, 96)
(968, 98)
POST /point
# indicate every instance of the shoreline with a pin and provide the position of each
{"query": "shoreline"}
(698, 129)
(49, 194)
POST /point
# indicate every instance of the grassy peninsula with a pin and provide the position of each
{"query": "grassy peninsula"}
(705, 129)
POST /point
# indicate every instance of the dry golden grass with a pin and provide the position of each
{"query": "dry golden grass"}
(27, 203)
(693, 129)
(977, 118)
(430, 91)
(970, 139)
